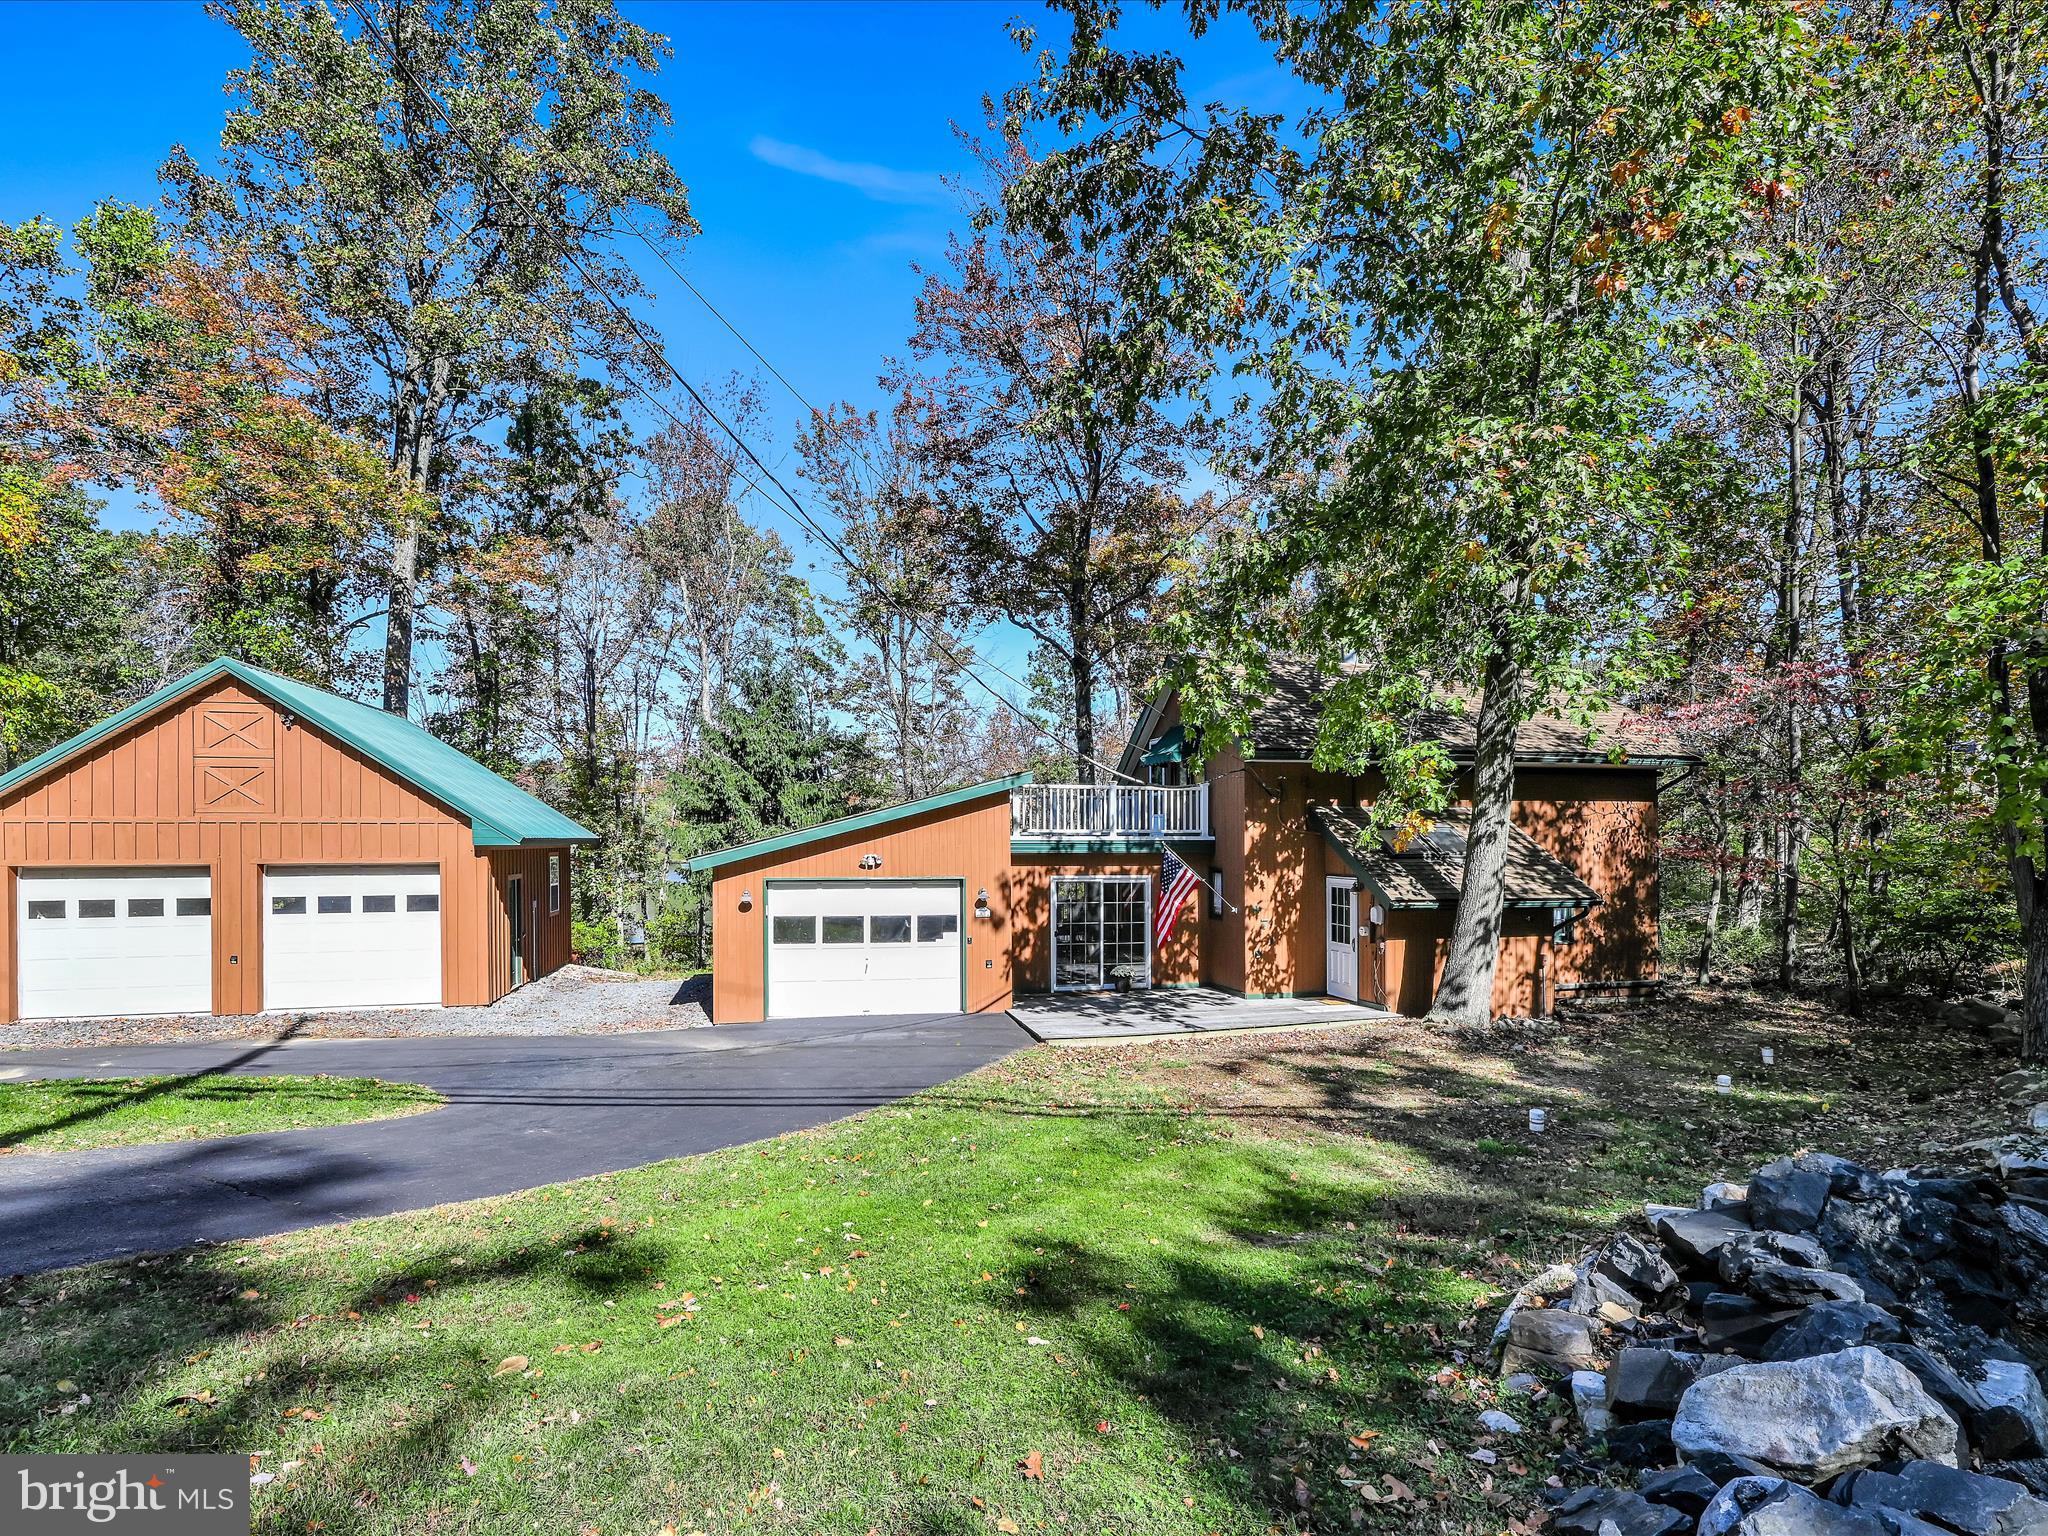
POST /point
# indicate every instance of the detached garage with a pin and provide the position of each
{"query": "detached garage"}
(240, 842)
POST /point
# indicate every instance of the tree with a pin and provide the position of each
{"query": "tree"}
(905, 589)
(434, 183)
(1061, 468)
(1450, 277)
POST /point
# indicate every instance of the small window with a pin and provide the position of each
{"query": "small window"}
(796, 930)
(842, 930)
(195, 906)
(38, 909)
(380, 903)
(1215, 893)
(554, 882)
(288, 906)
(145, 906)
(428, 903)
(94, 906)
(888, 930)
(935, 928)
(333, 904)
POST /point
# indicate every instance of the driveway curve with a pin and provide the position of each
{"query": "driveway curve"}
(521, 1112)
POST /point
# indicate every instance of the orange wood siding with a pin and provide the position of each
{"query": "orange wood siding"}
(216, 781)
(970, 842)
(1180, 964)
(1603, 823)
(547, 933)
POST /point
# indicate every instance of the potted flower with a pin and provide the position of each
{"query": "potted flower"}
(1125, 976)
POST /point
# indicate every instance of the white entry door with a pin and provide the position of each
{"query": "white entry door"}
(1341, 947)
(863, 946)
(105, 943)
(356, 936)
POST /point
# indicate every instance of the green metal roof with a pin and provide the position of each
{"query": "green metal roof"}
(500, 814)
(860, 823)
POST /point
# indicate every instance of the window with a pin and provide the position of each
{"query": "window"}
(380, 903)
(195, 906)
(333, 904)
(554, 882)
(934, 929)
(1340, 914)
(796, 930)
(428, 903)
(145, 906)
(888, 930)
(94, 906)
(842, 930)
(39, 909)
(288, 906)
(1215, 893)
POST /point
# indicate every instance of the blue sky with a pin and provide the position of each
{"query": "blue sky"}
(812, 136)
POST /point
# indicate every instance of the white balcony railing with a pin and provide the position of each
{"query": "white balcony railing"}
(1109, 810)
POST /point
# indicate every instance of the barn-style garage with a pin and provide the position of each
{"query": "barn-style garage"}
(240, 842)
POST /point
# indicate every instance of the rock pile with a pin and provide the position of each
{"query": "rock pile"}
(1824, 1351)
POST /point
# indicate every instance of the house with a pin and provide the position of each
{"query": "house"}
(963, 900)
(239, 842)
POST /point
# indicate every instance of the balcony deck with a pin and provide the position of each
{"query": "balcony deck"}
(1059, 818)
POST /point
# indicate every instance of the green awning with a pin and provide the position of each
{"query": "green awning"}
(1170, 748)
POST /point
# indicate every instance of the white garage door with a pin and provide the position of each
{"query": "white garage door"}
(867, 946)
(362, 936)
(100, 943)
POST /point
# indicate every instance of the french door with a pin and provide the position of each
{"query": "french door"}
(1100, 923)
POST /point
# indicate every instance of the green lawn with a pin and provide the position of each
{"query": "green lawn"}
(1234, 1286)
(75, 1113)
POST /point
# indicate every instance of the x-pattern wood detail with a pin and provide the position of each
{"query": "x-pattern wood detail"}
(231, 730)
(232, 786)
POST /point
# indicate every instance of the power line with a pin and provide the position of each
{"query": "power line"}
(940, 645)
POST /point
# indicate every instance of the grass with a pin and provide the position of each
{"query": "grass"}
(1225, 1286)
(72, 1114)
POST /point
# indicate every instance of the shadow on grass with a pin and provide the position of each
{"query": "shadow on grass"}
(154, 1090)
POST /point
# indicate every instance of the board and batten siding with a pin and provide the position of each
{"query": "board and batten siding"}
(219, 781)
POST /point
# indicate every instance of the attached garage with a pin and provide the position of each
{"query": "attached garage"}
(93, 942)
(864, 946)
(241, 841)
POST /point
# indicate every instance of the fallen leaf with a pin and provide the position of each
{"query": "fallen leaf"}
(468, 1467)
(511, 1365)
(1032, 1466)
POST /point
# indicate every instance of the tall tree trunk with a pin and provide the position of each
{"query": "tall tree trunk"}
(1464, 996)
(1791, 630)
(415, 440)
(1717, 890)
(1081, 676)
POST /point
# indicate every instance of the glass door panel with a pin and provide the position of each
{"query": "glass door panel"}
(1076, 934)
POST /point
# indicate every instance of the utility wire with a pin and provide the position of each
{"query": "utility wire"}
(659, 353)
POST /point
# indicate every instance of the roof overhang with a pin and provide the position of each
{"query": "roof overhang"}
(864, 821)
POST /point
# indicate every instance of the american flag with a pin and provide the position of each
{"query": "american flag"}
(1176, 884)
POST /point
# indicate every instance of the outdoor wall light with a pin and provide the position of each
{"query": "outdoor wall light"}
(746, 900)
(981, 902)
(871, 861)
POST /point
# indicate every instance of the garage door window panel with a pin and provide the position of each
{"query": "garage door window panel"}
(44, 911)
(97, 907)
(146, 906)
(889, 930)
(937, 928)
(845, 930)
(376, 904)
(423, 903)
(195, 906)
(288, 906)
(796, 930)
(332, 905)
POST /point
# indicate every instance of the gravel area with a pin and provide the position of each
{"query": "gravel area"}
(576, 1000)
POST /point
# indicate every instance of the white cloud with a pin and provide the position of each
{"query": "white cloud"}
(879, 182)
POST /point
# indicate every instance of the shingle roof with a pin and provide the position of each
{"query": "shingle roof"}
(1284, 727)
(500, 813)
(1429, 872)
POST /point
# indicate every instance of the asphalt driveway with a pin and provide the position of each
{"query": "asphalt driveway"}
(520, 1112)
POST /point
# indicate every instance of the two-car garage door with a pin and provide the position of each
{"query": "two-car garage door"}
(863, 946)
(100, 943)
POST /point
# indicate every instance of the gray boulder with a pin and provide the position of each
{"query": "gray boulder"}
(1743, 1253)
(1647, 1383)
(1889, 1237)
(1976, 1014)
(1694, 1239)
(1683, 1488)
(1966, 1502)
(1742, 1324)
(1637, 1268)
(1789, 1194)
(1589, 1400)
(1792, 1285)
(1771, 1506)
(2008, 1412)
(1830, 1326)
(1723, 1196)
(1549, 1338)
(1812, 1419)
(1616, 1512)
